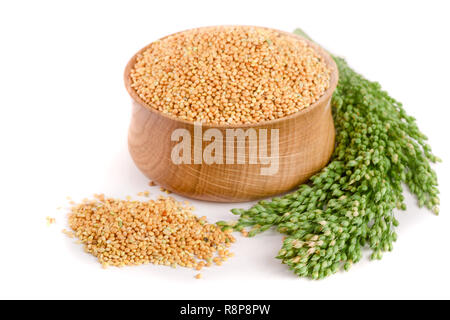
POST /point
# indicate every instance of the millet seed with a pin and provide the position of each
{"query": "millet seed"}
(163, 232)
(50, 220)
(230, 75)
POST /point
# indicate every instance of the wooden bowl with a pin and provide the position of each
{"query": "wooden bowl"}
(306, 142)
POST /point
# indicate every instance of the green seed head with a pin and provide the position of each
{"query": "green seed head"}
(349, 204)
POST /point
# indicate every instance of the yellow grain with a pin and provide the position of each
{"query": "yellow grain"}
(129, 232)
(230, 75)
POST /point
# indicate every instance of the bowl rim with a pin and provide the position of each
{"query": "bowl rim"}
(331, 64)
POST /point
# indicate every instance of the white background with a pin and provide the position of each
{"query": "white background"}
(64, 116)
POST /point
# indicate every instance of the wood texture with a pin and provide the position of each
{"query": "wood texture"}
(306, 142)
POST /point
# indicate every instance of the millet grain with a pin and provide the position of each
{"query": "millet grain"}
(163, 232)
(230, 75)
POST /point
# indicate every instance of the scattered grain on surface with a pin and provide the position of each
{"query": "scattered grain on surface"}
(70, 234)
(50, 220)
(163, 232)
(165, 190)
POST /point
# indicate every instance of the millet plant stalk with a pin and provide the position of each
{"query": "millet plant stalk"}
(349, 204)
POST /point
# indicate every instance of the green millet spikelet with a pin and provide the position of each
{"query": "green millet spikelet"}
(349, 204)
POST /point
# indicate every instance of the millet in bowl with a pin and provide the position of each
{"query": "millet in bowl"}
(230, 75)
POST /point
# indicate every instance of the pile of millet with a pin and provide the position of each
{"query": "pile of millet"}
(163, 232)
(230, 75)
